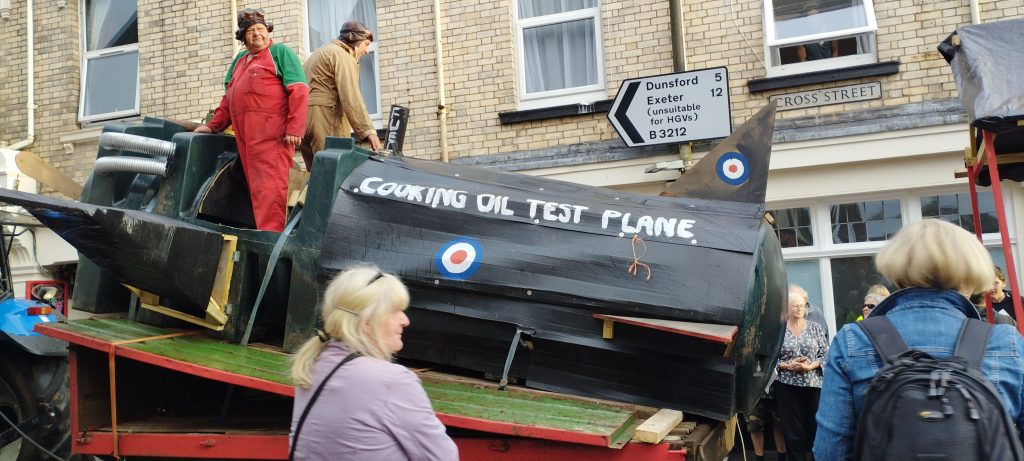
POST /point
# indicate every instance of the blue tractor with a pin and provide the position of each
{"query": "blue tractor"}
(33, 373)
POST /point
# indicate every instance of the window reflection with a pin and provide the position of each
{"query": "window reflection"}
(808, 17)
(368, 81)
(851, 278)
(793, 227)
(956, 209)
(110, 83)
(869, 221)
(110, 23)
(111, 53)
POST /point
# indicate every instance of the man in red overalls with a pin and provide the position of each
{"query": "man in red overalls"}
(265, 104)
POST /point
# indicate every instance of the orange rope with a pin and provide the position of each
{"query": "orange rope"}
(635, 264)
(113, 381)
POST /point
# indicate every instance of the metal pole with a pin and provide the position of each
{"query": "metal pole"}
(679, 62)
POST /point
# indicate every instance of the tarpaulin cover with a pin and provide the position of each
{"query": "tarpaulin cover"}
(987, 66)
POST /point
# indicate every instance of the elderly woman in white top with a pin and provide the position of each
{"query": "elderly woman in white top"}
(799, 383)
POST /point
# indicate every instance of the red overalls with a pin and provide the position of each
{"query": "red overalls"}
(261, 112)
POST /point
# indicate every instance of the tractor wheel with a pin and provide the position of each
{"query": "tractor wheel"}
(31, 385)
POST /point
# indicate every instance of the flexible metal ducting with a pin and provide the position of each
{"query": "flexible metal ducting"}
(105, 165)
(135, 143)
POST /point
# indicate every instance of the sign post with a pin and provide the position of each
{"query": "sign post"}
(673, 108)
(395, 137)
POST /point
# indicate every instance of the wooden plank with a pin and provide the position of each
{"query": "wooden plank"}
(215, 318)
(1005, 159)
(38, 169)
(658, 426)
(718, 333)
(526, 413)
(608, 329)
(222, 283)
(297, 180)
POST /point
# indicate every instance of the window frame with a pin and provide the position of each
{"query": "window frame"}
(376, 118)
(772, 45)
(576, 95)
(824, 249)
(87, 56)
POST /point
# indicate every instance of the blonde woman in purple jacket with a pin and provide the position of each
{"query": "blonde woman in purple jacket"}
(366, 408)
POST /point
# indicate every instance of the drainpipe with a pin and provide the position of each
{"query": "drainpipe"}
(679, 35)
(442, 108)
(232, 17)
(679, 63)
(975, 12)
(31, 69)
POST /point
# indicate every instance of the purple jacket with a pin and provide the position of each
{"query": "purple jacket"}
(369, 410)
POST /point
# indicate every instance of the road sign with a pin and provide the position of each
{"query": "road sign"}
(673, 108)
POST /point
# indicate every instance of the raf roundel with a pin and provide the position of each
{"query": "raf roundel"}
(459, 258)
(733, 168)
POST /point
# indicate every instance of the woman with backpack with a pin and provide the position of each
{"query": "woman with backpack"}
(936, 266)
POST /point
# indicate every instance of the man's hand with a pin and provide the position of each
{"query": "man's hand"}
(374, 142)
(292, 140)
(202, 129)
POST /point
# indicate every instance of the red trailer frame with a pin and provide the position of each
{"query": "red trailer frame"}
(975, 161)
(491, 440)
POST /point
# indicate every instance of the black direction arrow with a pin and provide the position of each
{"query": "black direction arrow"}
(620, 113)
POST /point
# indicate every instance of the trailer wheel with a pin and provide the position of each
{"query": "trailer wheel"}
(28, 384)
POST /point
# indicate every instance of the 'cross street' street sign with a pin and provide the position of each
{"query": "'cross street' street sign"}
(673, 108)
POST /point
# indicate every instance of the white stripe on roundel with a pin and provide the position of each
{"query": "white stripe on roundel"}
(732, 168)
(458, 257)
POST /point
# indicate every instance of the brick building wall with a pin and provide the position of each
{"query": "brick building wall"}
(56, 77)
(731, 32)
(184, 50)
(185, 46)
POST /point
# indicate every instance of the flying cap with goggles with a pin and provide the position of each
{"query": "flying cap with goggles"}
(248, 18)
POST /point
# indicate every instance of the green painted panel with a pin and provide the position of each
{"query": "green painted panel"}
(526, 409)
(198, 350)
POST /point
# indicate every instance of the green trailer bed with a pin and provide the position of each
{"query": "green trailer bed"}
(461, 403)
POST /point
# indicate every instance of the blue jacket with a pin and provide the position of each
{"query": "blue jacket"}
(928, 320)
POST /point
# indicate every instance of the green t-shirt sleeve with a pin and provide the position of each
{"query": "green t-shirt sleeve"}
(231, 68)
(289, 69)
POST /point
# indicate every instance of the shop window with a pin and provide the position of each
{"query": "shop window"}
(851, 278)
(956, 209)
(793, 227)
(559, 52)
(325, 18)
(813, 35)
(869, 221)
(110, 70)
(806, 275)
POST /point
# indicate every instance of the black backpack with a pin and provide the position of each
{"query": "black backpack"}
(923, 408)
